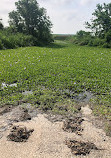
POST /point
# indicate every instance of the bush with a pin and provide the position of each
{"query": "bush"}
(86, 38)
(1, 45)
(90, 43)
(84, 42)
(98, 42)
(106, 45)
(10, 41)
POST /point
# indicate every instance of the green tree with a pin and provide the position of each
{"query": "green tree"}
(29, 18)
(82, 34)
(1, 25)
(101, 21)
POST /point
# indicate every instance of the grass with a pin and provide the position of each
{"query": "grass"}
(55, 74)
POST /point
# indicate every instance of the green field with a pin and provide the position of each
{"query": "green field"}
(56, 75)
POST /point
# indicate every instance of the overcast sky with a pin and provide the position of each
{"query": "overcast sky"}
(67, 16)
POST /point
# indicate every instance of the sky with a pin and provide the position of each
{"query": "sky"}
(67, 16)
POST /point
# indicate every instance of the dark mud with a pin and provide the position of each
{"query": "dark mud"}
(19, 134)
(12, 114)
(25, 115)
(80, 148)
(73, 125)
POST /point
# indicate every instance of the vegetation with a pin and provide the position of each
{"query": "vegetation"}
(58, 76)
(55, 74)
(101, 22)
(30, 19)
(100, 26)
(1, 25)
(10, 40)
(28, 26)
(62, 37)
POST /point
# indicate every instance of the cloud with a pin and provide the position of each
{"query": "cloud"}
(67, 16)
(90, 2)
(6, 6)
(87, 2)
(57, 2)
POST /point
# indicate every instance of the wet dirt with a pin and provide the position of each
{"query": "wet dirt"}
(82, 97)
(19, 134)
(12, 114)
(25, 115)
(80, 148)
(73, 125)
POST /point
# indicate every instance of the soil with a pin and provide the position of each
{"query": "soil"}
(73, 125)
(19, 134)
(49, 140)
(25, 115)
(5, 109)
(80, 148)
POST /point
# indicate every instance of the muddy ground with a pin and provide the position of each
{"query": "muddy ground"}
(51, 136)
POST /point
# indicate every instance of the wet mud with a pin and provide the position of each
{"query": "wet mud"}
(73, 125)
(19, 134)
(80, 148)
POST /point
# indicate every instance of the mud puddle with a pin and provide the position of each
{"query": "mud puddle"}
(84, 96)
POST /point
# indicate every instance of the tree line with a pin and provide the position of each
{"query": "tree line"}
(100, 26)
(28, 24)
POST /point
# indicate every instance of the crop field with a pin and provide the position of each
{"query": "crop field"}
(60, 74)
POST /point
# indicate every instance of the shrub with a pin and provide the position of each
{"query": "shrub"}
(98, 42)
(1, 45)
(11, 40)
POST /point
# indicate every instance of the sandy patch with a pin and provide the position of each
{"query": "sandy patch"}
(48, 139)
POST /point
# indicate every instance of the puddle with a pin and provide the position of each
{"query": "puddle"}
(13, 85)
(81, 97)
(27, 92)
(4, 85)
(80, 148)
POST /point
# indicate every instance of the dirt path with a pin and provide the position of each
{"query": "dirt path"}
(48, 139)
